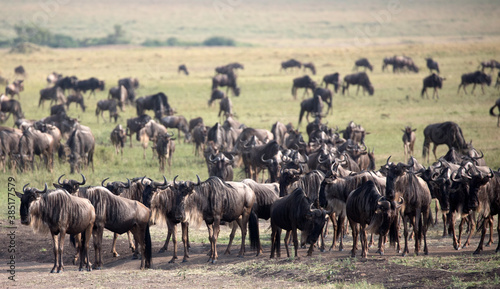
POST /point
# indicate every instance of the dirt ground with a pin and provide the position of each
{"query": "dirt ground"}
(34, 259)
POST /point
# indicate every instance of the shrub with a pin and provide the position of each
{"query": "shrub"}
(219, 41)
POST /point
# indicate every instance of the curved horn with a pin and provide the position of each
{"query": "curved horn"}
(411, 163)
(269, 161)
(175, 184)
(102, 183)
(24, 188)
(164, 182)
(128, 184)
(211, 158)
(41, 192)
(142, 180)
(199, 181)
(59, 179)
(83, 181)
(387, 162)
(479, 157)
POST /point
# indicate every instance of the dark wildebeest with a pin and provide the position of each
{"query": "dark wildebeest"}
(13, 107)
(89, 84)
(310, 66)
(279, 132)
(150, 131)
(63, 122)
(290, 64)
(134, 125)
(130, 84)
(156, 102)
(408, 141)
(477, 77)
(362, 62)
(228, 80)
(9, 146)
(165, 148)
(217, 134)
(448, 133)
(432, 65)
(33, 142)
(61, 214)
(117, 214)
(359, 79)
(497, 84)
(326, 96)
(225, 107)
(435, 81)
(489, 206)
(180, 123)
(118, 138)
(303, 82)
(182, 68)
(77, 98)
(81, 144)
(53, 78)
(120, 94)
(492, 64)
(492, 113)
(199, 138)
(54, 94)
(401, 181)
(106, 104)
(354, 132)
(68, 82)
(333, 79)
(312, 105)
(367, 206)
(14, 88)
(194, 122)
(57, 109)
(215, 200)
(19, 70)
(221, 166)
(292, 212)
(228, 68)
(216, 94)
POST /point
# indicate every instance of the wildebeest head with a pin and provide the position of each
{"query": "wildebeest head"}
(316, 219)
(29, 196)
(70, 186)
(385, 213)
(183, 189)
(116, 187)
(476, 180)
(394, 171)
(147, 194)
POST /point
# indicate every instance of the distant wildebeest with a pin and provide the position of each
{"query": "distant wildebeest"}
(359, 79)
(89, 84)
(106, 104)
(216, 94)
(81, 144)
(229, 68)
(326, 96)
(492, 64)
(435, 81)
(158, 103)
(9, 147)
(225, 107)
(477, 77)
(432, 65)
(303, 82)
(15, 88)
(333, 79)
(228, 80)
(492, 113)
(19, 70)
(292, 212)
(290, 64)
(448, 133)
(130, 84)
(33, 142)
(312, 105)
(182, 68)
(199, 138)
(120, 94)
(310, 66)
(150, 131)
(400, 63)
(497, 85)
(221, 166)
(362, 62)
(60, 213)
(165, 148)
(408, 141)
(134, 125)
(180, 123)
(67, 82)
(215, 200)
(118, 138)
(54, 94)
(53, 78)
(77, 98)
(13, 107)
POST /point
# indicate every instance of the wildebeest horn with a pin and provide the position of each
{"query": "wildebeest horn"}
(211, 158)
(59, 179)
(128, 184)
(387, 162)
(401, 201)
(199, 181)
(24, 188)
(83, 181)
(480, 157)
(411, 164)
(269, 161)
(41, 192)
(320, 159)
(164, 182)
(142, 180)
(175, 184)
(102, 183)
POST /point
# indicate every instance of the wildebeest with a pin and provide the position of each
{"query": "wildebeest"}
(13, 107)
(77, 98)
(15, 88)
(57, 109)
(156, 102)
(19, 70)
(435, 81)
(215, 200)
(216, 94)
(118, 138)
(54, 94)
(474, 78)
(106, 104)
(130, 84)
(61, 214)
(290, 64)
(359, 79)
(333, 79)
(355, 132)
(432, 65)
(150, 131)
(9, 146)
(225, 107)
(312, 105)
(120, 94)
(182, 68)
(117, 214)
(199, 138)
(492, 113)
(326, 96)
(489, 206)
(81, 144)
(362, 62)
(221, 166)
(228, 68)
(448, 133)
(67, 82)
(165, 148)
(134, 125)
(89, 84)
(408, 141)
(492, 64)
(180, 123)
(303, 82)
(310, 66)
(292, 212)
(34, 142)
(228, 80)
(53, 78)
(367, 206)
(63, 122)
(399, 63)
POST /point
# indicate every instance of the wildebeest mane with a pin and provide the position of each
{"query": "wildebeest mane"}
(163, 206)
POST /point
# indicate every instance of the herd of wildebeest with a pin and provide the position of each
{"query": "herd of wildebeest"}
(302, 185)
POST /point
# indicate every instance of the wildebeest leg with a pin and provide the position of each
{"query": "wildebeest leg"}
(231, 236)
(472, 226)
(434, 147)
(286, 241)
(456, 244)
(417, 230)
(406, 220)
(436, 208)
(460, 228)
(364, 242)
(167, 240)
(381, 243)
(371, 241)
(55, 242)
(84, 248)
(295, 240)
(78, 245)
(139, 233)
(498, 233)
(97, 237)
(216, 230)
(473, 87)
(185, 240)
(62, 235)
(172, 228)
(210, 230)
(490, 223)
(424, 226)
(357, 91)
(481, 241)
(354, 229)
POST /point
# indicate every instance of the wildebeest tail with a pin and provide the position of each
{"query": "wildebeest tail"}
(492, 113)
(294, 91)
(393, 233)
(253, 230)
(148, 252)
(73, 241)
(302, 110)
(97, 110)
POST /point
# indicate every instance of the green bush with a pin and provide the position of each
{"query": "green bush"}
(219, 41)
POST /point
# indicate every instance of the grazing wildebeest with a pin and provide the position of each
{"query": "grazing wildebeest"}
(367, 206)
(432, 65)
(492, 113)
(117, 214)
(53, 78)
(477, 77)
(326, 96)
(408, 141)
(225, 107)
(61, 214)
(399, 63)
(9, 146)
(165, 148)
(14, 88)
(199, 138)
(435, 81)
(81, 144)
(156, 102)
(118, 138)
(492, 64)
(312, 105)
(182, 68)
(67, 82)
(310, 66)
(448, 133)
(150, 131)
(362, 62)
(290, 64)
(215, 200)
(89, 84)
(77, 98)
(120, 94)
(106, 104)
(54, 94)
(292, 212)
(19, 70)
(303, 82)
(134, 125)
(180, 123)
(229, 68)
(359, 79)
(228, 80)
(333, 79)
(34, 142)
(13, 107)
(216, 94)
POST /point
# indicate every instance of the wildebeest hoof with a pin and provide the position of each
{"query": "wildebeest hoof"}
(214, 261)
(161, 250)
(134, 257)
(171, 261)
(184, 260)
(115, 254)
